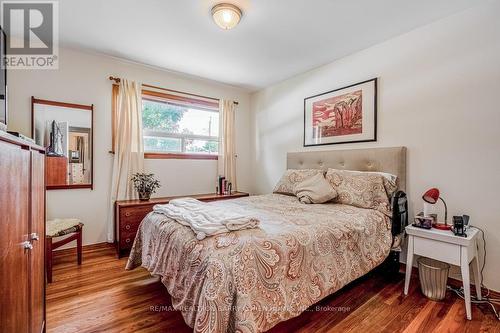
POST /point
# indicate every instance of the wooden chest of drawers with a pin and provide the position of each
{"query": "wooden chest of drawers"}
(130, 213)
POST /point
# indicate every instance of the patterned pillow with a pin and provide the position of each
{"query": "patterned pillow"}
(291, 177)
(390, 181)
(360, 189)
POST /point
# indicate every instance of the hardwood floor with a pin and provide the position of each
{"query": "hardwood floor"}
(100, 296)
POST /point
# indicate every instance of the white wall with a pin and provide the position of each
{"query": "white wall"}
(438, 96)
(45, 114)
(82, 78)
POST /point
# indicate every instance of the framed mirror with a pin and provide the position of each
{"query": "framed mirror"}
(66, 132)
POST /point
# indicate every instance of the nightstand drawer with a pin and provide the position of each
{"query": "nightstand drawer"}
(438, 250)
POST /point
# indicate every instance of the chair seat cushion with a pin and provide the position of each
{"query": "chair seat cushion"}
(61, 227)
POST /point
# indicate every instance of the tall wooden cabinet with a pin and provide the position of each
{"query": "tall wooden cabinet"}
(22, 234)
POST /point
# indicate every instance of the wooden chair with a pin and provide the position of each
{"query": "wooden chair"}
(58, 228)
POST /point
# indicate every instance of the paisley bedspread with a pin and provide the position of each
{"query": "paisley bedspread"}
(250, 280)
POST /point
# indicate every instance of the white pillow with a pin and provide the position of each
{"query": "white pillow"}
(314, 190)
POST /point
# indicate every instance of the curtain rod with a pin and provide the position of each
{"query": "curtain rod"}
(117, 81)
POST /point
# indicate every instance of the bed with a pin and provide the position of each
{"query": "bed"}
(250, 280)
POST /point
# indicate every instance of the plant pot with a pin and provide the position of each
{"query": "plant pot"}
(144, 196)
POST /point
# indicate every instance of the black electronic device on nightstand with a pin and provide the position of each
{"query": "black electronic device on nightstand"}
(459, 225)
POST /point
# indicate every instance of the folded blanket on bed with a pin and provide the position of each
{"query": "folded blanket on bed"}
(204, 219)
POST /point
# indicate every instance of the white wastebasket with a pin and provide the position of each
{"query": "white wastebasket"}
(433, 276)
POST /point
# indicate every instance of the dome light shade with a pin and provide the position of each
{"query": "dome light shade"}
(226, 16)
(431, 196)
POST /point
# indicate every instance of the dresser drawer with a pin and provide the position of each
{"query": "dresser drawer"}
(126, 239)
(129, 226)
(438, 250)
(134, 213)
(128, 222)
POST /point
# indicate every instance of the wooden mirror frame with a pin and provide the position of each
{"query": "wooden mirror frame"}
(74, 106)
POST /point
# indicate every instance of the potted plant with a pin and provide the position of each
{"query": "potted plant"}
(145, 184)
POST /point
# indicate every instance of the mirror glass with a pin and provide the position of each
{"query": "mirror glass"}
(65, 130)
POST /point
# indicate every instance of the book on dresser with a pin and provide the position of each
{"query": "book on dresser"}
(130, 213)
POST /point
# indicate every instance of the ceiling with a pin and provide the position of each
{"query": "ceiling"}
(276, 39)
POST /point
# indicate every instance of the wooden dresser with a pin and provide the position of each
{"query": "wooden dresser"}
(130, 213)
(22, 235)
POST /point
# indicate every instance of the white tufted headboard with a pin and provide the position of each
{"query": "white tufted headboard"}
(391, 160)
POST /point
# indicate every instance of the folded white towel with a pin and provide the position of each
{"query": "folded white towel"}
(204, 219)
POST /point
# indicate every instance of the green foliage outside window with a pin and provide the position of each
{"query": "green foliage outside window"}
(208, 147)
(155, 144)
(162, 116)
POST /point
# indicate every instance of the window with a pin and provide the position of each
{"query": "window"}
(171, 128)
(178, 126)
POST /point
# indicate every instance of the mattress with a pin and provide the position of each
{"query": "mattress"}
(250, 280)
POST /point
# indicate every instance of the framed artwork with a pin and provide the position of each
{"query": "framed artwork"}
(343, 115)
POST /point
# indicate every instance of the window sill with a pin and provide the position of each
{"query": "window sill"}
(180, 156)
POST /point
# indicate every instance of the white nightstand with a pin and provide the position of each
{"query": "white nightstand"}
(445, 246)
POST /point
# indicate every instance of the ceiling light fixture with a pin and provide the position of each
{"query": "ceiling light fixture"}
(226, 15)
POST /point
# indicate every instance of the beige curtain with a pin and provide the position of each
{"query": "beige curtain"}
(227, 151)
(129, 147)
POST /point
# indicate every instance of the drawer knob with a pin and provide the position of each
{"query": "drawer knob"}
(127, 240)
(127, 227)
(128, 213)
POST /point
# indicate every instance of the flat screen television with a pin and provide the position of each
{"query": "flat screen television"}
(3, 78)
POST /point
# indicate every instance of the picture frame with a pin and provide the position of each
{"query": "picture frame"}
(343, 115)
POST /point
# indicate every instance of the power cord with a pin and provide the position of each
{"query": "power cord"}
(486, 299)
